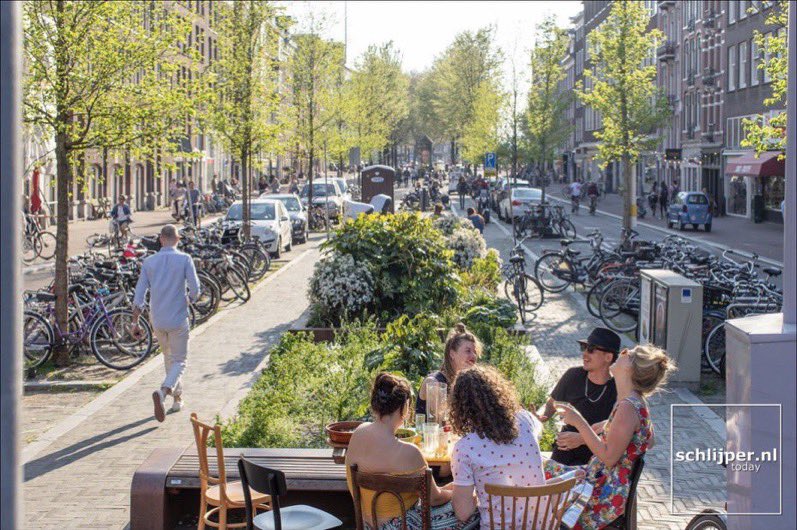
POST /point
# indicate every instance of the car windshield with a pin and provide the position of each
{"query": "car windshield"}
(697, 199)
(527, 193)
(258, 211)
(291, 203)
(319, 190)
(343, 186)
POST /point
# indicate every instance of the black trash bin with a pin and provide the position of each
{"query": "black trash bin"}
(758, 208)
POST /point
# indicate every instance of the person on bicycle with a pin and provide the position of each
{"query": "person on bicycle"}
(592, 193)
(575, 194)
(120, 214)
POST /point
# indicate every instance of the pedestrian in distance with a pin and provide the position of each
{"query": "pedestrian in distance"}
(575, 195)
(166, 275)
(653, 199)
(477, 220)
(262, 186)
(193, 200)
(664, 199)
(462, 190)
(275, 184)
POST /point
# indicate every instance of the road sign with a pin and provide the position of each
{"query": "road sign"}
(489, 161)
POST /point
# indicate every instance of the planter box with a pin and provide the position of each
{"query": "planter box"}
(328, 334)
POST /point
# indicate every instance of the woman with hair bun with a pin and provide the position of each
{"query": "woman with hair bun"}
(462, 350)
(375, 449)
(628, 434)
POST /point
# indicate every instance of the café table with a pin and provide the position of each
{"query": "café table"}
(339, 455)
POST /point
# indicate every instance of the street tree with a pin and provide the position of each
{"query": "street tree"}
(468, 69)
(104, 75)
(313, 72)
(243, 110)
(480, 132)
(546, 121)
(770, 135)
(621, 87)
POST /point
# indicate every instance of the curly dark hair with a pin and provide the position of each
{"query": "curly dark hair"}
(485, 403)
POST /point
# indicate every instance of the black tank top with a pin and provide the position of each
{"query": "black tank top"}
(420, 404)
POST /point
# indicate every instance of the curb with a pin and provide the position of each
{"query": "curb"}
(717, 246)
(69, 423)
(68, 385)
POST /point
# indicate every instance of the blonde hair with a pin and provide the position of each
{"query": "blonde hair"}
(651, 366)
(456, 337)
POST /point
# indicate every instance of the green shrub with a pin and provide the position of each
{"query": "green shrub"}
(412, 347)
(484, 273)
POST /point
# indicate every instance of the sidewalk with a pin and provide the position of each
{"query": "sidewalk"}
(562, 320)
(83, 478)
(764, 239)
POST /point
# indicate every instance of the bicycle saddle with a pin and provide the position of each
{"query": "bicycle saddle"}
(573, 252)
(772, 271)
(43, 296)
(516, 259)
(565, 242)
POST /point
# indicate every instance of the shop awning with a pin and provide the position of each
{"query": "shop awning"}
(767, 165)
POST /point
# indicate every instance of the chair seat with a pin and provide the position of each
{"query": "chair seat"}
(235, 494)
(297, 518)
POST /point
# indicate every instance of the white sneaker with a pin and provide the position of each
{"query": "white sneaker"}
(178, 405)
(160, 409)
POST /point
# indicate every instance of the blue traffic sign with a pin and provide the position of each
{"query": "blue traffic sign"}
(489, 161)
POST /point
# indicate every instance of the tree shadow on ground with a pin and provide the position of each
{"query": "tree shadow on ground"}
(68, 455)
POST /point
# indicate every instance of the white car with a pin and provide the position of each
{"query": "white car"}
(522, 197)
(271, 223)
(344, 188)
(325, 194)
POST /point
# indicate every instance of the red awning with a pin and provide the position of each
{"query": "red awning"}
(767, 165)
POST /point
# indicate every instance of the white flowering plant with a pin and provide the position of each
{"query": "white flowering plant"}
(340, 287)
(468, 245)
(449, 223)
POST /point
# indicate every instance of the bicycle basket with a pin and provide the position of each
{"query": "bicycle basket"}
(716, 297)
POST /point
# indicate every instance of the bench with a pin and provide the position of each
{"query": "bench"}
(166, 486)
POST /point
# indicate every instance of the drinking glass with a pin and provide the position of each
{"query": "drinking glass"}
(436, 397)
(431, 438)
(420, 419)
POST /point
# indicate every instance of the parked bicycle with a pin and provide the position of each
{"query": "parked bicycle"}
(519, 286)
(36, 243)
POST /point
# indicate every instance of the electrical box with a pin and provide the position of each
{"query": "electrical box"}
(671, 317)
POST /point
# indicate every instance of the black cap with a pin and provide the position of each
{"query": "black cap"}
(605, 339)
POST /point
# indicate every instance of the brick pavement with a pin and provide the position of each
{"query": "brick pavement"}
(555, 328)
(83, 479)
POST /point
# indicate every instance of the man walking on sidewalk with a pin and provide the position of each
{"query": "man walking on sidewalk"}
(166, 275)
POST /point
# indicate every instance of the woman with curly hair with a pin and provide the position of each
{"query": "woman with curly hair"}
(627, 435)
(499, 443)
(375, 449)
(462, 350)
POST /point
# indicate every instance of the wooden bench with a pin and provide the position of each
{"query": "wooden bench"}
(166, 486)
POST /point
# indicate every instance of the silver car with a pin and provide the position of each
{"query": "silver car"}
(518, 200)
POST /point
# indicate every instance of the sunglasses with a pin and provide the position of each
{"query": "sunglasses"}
(591, 348)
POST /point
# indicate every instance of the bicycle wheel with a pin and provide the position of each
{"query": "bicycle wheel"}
(714, 349)
(237, 282)
(38, 339)
(531, 290)
(47, 245)
(31, 247)
(554, 272)
(594, 297)
(113, 344)
(567, 229)
(258, 261)
(207, 303)
(708, 520)
(242, 262)
(619, 306)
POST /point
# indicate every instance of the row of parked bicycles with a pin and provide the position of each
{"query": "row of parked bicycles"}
(610, 277)
(101, 289)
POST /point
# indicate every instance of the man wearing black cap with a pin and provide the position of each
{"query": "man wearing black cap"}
(590, 389)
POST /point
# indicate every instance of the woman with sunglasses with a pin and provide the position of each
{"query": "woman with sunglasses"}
(590, 389)
(626, 436)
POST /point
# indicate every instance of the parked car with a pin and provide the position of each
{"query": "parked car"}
(270, 222)
(296, 211)
(521, 197)
(344, 188)
(690, 207)
(325, 194)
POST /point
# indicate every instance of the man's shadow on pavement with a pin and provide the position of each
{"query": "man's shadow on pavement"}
(67, 455)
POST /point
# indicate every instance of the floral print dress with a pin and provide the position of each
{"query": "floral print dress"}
(610, 484)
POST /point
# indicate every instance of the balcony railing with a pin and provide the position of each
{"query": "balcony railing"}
(690, 26)
(666, 52)
(709, 76)
(666, 4)
(690, 78)
(708, 136)
(710, 20)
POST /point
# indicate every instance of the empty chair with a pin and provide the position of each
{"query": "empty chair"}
(261, 480)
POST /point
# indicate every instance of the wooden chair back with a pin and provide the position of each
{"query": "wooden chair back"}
(264, 480)
(201, 433)
(392, 485)
(546, 514)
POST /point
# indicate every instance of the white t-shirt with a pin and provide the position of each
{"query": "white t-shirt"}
(575, 189)
(476, 462)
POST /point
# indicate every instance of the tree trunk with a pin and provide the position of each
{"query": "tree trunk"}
(245, 194)
(63, 187)
(629, 194)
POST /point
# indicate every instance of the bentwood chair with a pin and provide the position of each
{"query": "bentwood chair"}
(392, 485)
(627, 521)
(546, 501)
(257, 478)
(216, 493)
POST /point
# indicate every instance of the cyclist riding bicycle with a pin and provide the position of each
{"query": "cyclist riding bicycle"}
(120, 217)
(575, 194)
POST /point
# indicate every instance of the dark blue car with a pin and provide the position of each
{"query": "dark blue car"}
(690, 208)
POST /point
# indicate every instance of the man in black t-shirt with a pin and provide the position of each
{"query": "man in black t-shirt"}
(590, 389)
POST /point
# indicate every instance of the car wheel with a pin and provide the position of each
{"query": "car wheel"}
(669, 224)
(708, 227)
(681, 226)
(278, 253)
(289, 247)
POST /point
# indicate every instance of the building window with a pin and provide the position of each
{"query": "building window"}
(754, 62)
(732, 68)
(733, 9)
(767, 77)
(743, 5)
(743, 65)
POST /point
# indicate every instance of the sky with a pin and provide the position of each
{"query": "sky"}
(423, 30)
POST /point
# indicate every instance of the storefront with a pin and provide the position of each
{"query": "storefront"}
(754, 187)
